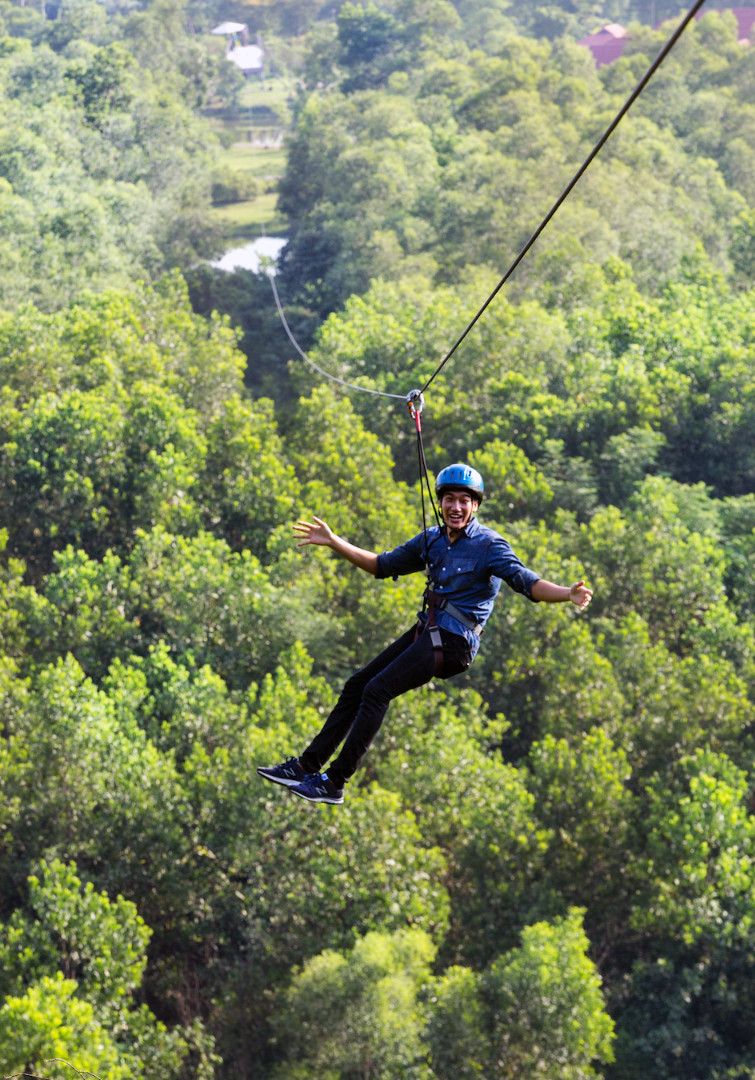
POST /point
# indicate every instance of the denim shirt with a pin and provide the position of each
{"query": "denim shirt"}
(469, 572)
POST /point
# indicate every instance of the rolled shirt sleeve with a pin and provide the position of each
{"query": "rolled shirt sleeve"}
(408, 558)
(506, 564)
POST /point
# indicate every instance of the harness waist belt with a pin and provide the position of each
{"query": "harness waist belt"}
(444, 604)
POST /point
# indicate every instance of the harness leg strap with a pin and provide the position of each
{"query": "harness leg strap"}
(431, 628)
(437, 644)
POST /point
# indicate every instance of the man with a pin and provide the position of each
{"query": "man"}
(465, 562)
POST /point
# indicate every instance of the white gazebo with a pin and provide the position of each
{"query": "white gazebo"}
(249, 59)
(231, 30)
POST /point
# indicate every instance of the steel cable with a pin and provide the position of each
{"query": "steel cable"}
(575, 179)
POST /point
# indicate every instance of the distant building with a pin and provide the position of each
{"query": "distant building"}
(249, 59)
(607, 44)
(745, 17)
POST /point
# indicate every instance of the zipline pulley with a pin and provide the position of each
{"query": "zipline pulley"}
(415, 401)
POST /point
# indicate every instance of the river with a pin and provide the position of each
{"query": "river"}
(248, 256)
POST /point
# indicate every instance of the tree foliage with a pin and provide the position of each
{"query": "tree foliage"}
(104, 167)
(449, 161)
(546, 867)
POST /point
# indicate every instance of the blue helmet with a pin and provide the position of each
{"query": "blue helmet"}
(459, 478)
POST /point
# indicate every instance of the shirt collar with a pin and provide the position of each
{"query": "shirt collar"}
(470, 529)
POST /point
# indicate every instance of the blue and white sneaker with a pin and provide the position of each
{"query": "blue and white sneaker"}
(318, 788)
(288, 773)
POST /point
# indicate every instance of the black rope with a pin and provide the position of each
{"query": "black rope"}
(577, 176)
(424, 481)
(422, 495)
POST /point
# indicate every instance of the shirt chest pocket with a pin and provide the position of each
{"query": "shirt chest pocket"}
(457, 571)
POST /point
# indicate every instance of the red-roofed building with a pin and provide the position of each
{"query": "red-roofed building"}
(745, 17)
(607, 45)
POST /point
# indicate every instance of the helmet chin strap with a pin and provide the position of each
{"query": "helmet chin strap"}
(457, 528)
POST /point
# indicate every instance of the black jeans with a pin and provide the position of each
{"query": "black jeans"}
(364, 700)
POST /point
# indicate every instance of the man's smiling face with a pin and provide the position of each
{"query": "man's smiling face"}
(457, 509)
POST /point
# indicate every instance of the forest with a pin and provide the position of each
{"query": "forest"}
(545, 869)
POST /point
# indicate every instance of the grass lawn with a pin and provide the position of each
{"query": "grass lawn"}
(270, 97)
(264, 163)
(251, 219)
(263, 106)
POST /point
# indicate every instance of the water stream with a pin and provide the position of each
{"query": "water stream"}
(248, 256)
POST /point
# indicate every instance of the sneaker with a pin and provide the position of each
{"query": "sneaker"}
(288, 774)
(317, 788)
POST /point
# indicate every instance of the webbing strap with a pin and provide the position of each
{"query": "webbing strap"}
(444, 604)
(435, 637)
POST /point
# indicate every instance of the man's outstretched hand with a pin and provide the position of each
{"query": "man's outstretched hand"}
(308, 533)
(580, 595)
(319, 532)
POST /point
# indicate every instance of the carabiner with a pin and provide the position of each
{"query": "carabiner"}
(415, 402)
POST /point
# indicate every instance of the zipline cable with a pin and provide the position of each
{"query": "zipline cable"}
(303, 355)
(533, 238)
(575, 179)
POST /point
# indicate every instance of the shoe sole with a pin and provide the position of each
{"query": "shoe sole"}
(277, 779)
(317, 799)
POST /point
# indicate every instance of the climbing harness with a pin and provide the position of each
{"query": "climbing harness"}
(433, 601)
(415, 402)
(442, 603)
